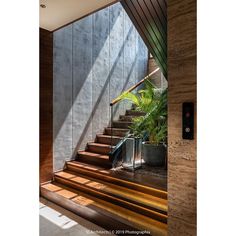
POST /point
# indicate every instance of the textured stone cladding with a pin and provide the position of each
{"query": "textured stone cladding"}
(158, 78)
(95, 59)
(181, 88)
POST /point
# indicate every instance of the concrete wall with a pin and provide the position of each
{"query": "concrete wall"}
(181, 88)
(95, 59)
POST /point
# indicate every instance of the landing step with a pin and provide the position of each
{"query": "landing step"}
(110, 176)
(100, 212)
(143, 203)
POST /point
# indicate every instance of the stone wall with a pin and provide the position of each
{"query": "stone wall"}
(158, 78)
(95, 59)
(181, 88)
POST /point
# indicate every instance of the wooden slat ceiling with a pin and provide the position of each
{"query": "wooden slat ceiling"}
(150, 20)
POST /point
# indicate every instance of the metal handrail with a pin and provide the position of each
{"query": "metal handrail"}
(118, 99)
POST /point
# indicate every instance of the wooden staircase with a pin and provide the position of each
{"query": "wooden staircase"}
(97, 152)
(90, 189)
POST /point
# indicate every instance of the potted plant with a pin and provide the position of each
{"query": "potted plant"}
(152, 127)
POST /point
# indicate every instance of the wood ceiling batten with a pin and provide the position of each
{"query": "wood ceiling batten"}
(150, 20)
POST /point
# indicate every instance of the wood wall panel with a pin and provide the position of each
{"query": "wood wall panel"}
(46, 99)
(181, 88)
(149, 18)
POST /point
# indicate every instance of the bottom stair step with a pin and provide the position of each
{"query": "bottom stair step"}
(108, 176)
(146, 203)
(100, 212)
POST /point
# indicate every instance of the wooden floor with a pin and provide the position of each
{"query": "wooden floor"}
(155, 177)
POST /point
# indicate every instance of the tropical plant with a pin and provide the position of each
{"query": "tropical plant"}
(153, 102)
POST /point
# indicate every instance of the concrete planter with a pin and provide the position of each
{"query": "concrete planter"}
(153, 154)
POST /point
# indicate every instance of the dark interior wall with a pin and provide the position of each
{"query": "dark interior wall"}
(46, 106)
(181, 88)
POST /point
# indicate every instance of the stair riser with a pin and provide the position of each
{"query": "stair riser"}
(94, 161)
(126, 118)
(134, 113)
(114, 132)
(113, 200)
(107, 140)
(120, 182)
(122, 125)
(100, 150)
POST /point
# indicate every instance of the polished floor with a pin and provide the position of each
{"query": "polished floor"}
(56, 221)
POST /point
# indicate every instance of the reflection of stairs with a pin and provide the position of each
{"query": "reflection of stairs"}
(111, 202)
(88, 188)
(97, 152)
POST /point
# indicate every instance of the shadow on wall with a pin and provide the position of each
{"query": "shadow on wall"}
(100, 96)
(95, 59)
(63, 52)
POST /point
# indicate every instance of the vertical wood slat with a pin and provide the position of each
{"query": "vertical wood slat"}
(155, 32)
(150, 19)
(141, 29)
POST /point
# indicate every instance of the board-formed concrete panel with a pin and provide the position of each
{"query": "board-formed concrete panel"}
(62, 97)
(95, 59)
(100, 70)
(82, 82)
(117, 43)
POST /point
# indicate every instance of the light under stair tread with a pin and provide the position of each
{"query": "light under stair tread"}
(116, 191)
(93, 154)
(111, 177)
(108, 136)
(100, 145)
(132, 218)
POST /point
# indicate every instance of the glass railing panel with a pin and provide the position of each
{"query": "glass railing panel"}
(126, 149)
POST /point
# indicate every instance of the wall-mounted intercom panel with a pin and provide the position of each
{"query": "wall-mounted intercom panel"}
(188, 120)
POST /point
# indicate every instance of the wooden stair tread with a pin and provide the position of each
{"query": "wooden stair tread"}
(92, 154)
(100, 145)
(87, 166)
(122, 129)
(76, 200)
(117, 191)
(109, 176)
